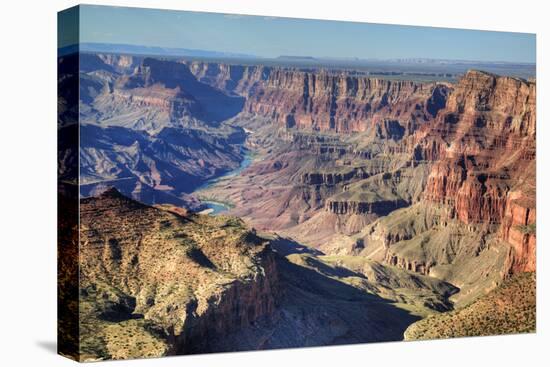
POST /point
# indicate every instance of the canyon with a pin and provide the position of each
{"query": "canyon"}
(370, 208)
(165, 281)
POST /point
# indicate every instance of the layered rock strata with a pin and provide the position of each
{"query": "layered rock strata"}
(485, 172)
(326, 101)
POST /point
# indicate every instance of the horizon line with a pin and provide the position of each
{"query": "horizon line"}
(253, 56)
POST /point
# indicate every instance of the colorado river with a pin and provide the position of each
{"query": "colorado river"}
(214, 207)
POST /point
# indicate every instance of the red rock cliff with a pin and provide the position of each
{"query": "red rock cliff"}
(325, 101)
(485, 170)
(479, 133)
(519, 229)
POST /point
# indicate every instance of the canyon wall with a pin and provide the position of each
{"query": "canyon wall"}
(519, 229)
(474, 139)
(477, 137)
(486, 167)
(325, 101)
(481, 152)
(148, 127)
(148, 94)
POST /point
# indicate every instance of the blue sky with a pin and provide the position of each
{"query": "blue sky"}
(272, 37)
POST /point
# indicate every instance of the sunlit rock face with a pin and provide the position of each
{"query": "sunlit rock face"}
(323, 101)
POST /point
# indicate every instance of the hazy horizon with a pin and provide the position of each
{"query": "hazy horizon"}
(271, 37)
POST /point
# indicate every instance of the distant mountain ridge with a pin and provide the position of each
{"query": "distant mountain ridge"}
(442, 68)
(147, 50)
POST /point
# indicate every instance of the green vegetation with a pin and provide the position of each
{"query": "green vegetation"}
(528, 229)
(137, 286)
(509, 309)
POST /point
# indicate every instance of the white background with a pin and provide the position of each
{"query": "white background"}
(28, 181)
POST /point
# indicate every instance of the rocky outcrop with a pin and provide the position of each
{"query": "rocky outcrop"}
(235, 79)
(445, 180)
(474, 197)
(499, 104)
(487, 130)
(357, 207)
(121, 63)
(483, 176)
(519, 229)
(410, 265)
(481, 199)
(332, 178)
(390, 129)
(238, 306)
(193, 278)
